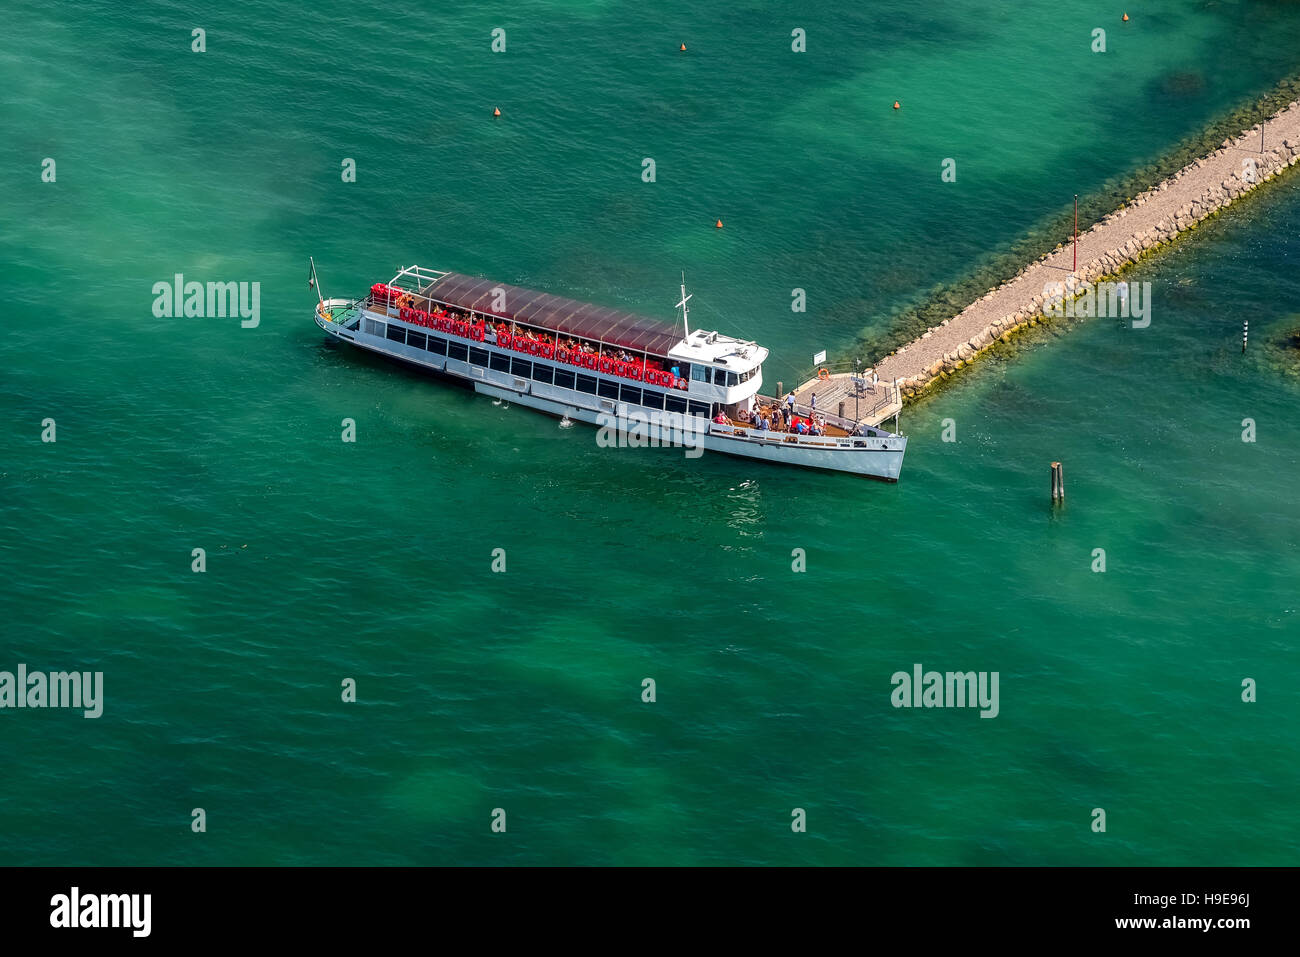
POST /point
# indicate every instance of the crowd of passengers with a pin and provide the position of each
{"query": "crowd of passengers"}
(564, 342)
(545, 338)
(776, 418)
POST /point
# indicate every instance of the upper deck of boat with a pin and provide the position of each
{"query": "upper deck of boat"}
(556, 314)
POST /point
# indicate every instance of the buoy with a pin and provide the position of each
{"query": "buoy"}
(718, 224)
(896, 106)
(684, 45)
(496, 111)
(1126, 18)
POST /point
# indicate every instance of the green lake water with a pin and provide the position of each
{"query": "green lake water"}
(372, 560)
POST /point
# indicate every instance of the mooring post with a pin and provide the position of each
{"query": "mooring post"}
(1245, 333)
(840, 413)
(1058, 482)
(780, 390)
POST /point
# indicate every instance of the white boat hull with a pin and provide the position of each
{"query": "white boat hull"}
(879, 457)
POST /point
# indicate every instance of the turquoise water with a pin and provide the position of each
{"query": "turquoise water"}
(522, 690)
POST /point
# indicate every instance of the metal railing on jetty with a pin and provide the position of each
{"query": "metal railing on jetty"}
(863, 403)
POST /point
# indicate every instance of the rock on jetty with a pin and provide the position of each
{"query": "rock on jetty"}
(1155, 217)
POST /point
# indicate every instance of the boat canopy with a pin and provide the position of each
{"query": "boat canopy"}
(568, 317)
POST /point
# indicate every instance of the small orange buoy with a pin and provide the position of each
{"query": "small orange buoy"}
(1126, 18)
(496, 111)
(718, 224)
(683, 47)
(896, 106)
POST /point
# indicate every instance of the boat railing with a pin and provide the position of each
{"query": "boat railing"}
(887, 397)
(415, 278)
(742, 430)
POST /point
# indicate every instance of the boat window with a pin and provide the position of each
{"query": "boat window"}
(564, 378)
(719, 376)
(700, 373)
(457, 350)
(608, 389)
(652, 399)
(397, 333)
(630, 394)
(478, 356)
(542, 373)
(522, 368)
(701, 409)
(416, 339)
(374, 328)
(500, 362)
(587, 384)
(438, 344)
(673, 403)
(732, 379)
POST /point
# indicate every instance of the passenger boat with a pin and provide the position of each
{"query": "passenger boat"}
(639, 380)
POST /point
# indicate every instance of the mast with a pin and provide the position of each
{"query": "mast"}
(313, 282)
(682, 306)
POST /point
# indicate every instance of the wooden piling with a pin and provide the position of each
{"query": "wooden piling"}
(1058, 482)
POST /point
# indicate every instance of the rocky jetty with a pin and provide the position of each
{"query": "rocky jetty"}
(1151, 219)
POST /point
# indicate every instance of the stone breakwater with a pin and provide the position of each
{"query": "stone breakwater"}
(1153, 218)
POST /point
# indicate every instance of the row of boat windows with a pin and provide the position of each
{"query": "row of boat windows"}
(720, 376)
(696, 371)
(540, 372)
